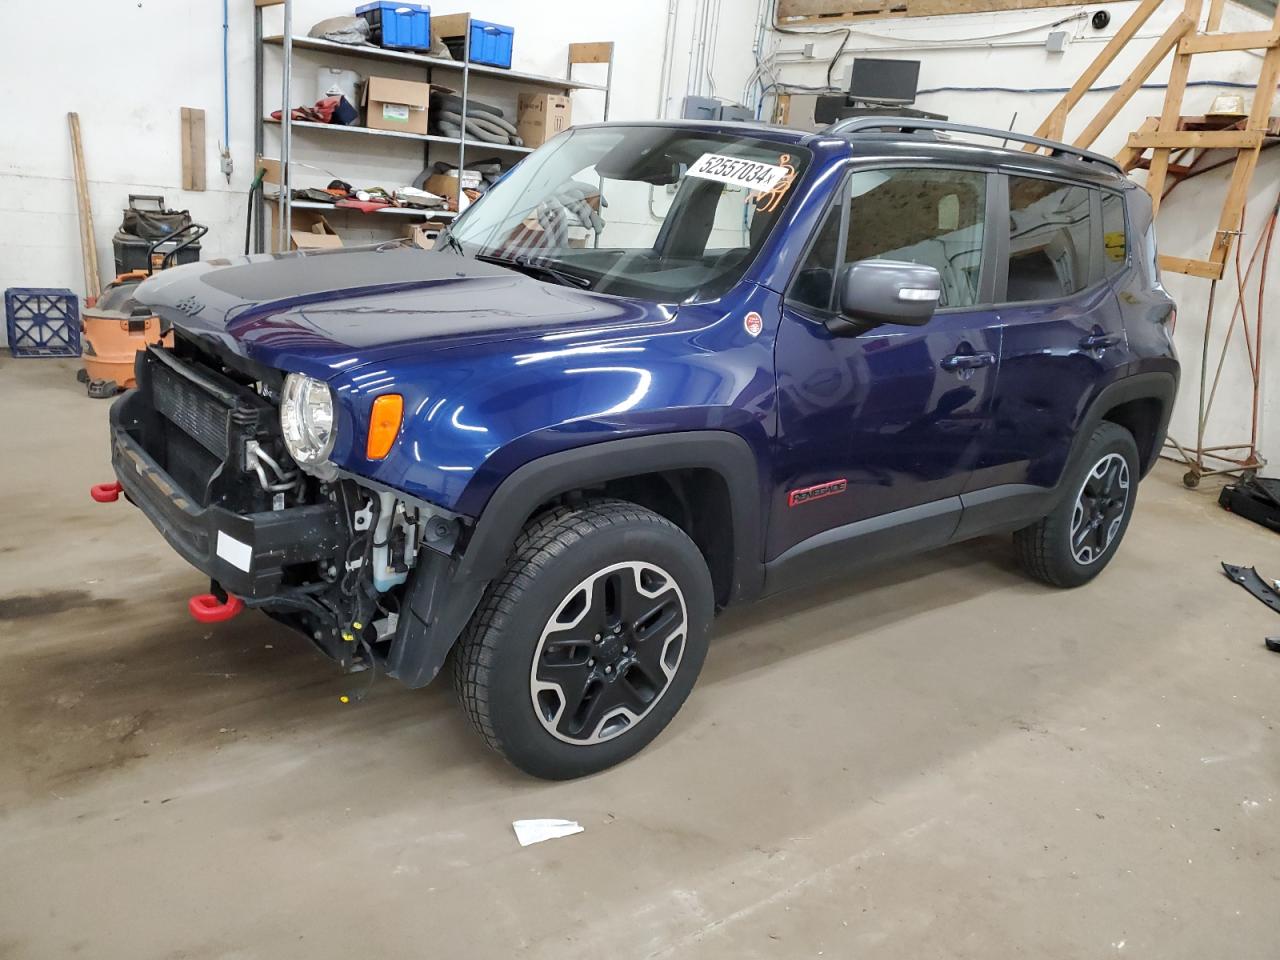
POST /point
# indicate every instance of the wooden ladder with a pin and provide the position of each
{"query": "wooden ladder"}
(1167, 133)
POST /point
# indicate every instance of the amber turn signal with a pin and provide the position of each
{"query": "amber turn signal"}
(384, 424)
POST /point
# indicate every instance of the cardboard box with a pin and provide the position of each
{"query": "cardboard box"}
(541, 116)
(445, 185)
(423, 234)
(399, 105)
(320, 236)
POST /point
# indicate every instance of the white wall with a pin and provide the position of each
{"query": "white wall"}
(1007, 50)
(131, 129)
(129, 65)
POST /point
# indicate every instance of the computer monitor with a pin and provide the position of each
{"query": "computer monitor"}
(877, 80)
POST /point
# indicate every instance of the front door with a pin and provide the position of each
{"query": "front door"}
(878, 433)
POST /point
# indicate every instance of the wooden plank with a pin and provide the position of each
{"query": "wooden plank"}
(1168, 40)
(1247, 160)
(88, 247)
(601, 52)
(1055, 124)
(1196, 268)
(193, 149)
(448, 25)
(1169, 116)
(792, 12)
(1220, 42)
(1131, 157)
(268, 3)
(1201, 139)
(1214, 21)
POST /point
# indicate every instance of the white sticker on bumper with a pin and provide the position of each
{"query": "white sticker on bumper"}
(234, 552)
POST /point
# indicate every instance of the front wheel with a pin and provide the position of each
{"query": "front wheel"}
(1071, 545)
(585, 648)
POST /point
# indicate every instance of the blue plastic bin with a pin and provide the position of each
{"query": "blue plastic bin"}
(42, 322)
(491, 43)
(400, 26)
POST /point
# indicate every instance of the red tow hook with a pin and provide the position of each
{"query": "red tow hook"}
(105, 492)
(207, 608)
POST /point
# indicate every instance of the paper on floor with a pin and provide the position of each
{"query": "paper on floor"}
(535, 831)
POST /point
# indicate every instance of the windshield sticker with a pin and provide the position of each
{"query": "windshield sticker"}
(738, 172)
(768, 201)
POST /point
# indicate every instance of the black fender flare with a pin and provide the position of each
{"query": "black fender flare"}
(533, 484)
(1160, 385)
(443, 593)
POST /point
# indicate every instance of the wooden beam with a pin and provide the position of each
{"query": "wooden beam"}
(1200, 139)
(793, 12)
(193, 144)
(1055, 124)
(1196, 268)
(88, 246)
(1219, 42)
(1168, 40)
(1131, 157)
(1172, 111)
(1247, 160)
(1214, 20)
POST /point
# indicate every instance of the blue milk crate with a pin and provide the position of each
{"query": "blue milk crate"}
(42, 322)
(399, 26)
(491, 43)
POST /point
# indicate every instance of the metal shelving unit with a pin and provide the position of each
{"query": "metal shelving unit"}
(462, 70)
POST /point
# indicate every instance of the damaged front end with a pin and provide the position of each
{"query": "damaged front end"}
(364, 571)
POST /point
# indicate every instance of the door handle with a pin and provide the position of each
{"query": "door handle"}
(967, 361)
(1099, 341)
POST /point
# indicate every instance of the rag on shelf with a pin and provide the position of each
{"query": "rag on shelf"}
(484, 122)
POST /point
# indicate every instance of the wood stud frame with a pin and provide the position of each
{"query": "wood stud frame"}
(1170, 132)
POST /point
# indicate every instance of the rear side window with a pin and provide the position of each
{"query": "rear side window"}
(1050, 237)
(1115, 239)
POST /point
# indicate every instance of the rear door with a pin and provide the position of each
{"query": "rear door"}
(1061, 334)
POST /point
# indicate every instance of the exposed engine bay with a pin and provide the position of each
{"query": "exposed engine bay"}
(325, 553)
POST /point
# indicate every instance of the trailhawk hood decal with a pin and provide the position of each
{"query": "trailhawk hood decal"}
(327, 311)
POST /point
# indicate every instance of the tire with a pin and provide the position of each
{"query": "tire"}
(590, 641)
(1060, 549)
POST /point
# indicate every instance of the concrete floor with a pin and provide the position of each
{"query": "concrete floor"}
(943, 760)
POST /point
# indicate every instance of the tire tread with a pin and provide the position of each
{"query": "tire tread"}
(1037, 545)
(543, 541)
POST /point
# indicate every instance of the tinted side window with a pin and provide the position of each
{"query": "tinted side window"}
(928, 216)
(1049, 239)
(1114, 236)
(814, 283)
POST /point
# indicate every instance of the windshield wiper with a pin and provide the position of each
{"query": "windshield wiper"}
(529, 265)
(452, 241)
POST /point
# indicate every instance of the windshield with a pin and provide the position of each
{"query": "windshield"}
(658, 213)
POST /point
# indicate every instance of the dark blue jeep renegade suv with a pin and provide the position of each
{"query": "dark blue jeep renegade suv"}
(658, 369)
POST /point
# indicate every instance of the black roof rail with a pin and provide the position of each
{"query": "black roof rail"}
(911, 124)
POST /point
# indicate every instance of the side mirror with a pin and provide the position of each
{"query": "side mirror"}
(874, 292)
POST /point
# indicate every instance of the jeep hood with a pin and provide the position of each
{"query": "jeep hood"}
(321, 312)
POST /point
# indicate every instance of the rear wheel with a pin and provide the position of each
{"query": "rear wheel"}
(589, 643)
(1071, 545)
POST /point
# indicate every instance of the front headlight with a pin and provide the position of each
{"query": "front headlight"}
(306, 419)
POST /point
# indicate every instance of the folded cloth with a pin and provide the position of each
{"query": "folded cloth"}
(349, 30)
(365, 206)
(322, 112)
